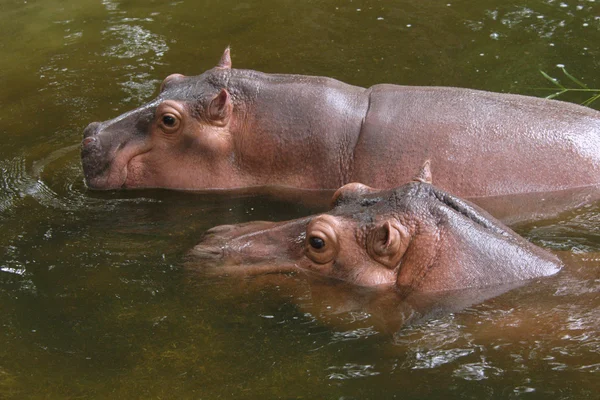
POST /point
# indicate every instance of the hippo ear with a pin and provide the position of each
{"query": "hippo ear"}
(388, 242)
(350, 191)
(220, 108)
(424, 174)
(225, 61)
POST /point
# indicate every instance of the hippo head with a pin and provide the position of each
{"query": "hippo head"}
(415, 237)
(180, 135)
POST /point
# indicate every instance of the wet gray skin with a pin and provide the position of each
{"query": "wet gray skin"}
(414, 238)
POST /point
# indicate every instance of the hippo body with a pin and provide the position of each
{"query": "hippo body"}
(230, 128)
(416, 238)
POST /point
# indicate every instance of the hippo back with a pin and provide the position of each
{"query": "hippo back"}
(518, 144)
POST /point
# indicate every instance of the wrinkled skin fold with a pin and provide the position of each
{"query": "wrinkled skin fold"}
(415, 238)
(230, 128)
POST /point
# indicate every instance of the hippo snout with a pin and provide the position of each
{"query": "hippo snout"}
(207, 252)
(90, 148)
(221, 229)
(91, 130)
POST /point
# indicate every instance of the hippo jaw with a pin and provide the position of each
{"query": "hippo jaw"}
(416, 237)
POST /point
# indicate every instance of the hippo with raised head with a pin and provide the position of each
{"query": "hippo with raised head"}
(414, 238)
(231, 128)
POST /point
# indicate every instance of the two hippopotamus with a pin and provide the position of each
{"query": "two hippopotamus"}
(228, 129)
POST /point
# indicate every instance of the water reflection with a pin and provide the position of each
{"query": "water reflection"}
(134, 42)
(351, 371)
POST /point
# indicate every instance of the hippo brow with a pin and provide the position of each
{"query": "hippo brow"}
(467, 210)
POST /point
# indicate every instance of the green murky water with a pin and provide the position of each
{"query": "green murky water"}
(94, 299)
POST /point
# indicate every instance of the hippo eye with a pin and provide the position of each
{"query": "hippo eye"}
(321, 243)
(316, 242)
(169, 120)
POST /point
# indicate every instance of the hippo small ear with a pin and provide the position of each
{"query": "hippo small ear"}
(388, 242)
(220, 108)
(424, 174)
(225, 61)
(349, 192)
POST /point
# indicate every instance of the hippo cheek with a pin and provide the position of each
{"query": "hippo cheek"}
(117, 171)
(139, 169)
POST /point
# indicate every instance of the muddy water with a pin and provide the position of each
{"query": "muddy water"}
(94, 299)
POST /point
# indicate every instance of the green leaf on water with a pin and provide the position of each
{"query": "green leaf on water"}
(571, 77)
(553, 95)
(591, 100)
(582, 87)
(553, 80)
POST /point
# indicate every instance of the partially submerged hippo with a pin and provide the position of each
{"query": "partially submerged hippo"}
(231, 128)
(414, 238)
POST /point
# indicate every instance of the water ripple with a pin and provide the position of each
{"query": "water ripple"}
(351, 371)
(131, 41)
(135, 42)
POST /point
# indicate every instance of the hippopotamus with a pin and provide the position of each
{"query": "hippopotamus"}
(232, 128)
(414, 238)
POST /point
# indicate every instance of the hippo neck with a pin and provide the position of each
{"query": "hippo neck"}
(311, 122)
(474, 262)
(467, 248)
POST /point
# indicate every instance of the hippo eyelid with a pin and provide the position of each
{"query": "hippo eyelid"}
(169, 122)
(321, 243)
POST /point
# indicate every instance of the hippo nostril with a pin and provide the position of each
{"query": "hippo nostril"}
(207, 252)
(220, 229)
(87, 141)
(91, 129)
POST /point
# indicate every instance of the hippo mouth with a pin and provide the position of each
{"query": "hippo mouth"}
(100, 174)
(217, 261)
